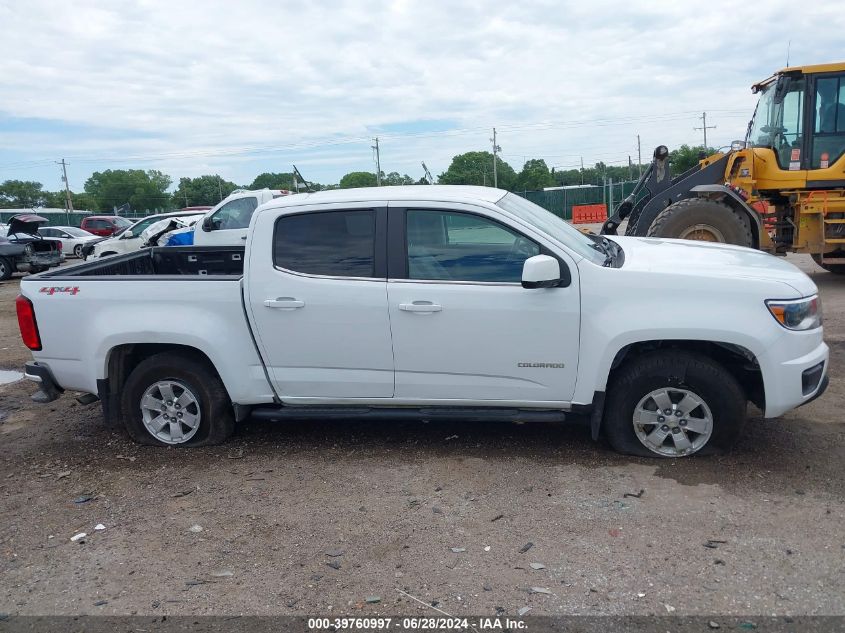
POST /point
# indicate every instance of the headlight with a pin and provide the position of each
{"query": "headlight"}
(797, 314)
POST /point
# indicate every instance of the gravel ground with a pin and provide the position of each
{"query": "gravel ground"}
(475, 519)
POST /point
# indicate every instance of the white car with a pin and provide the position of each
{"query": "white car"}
(450, 302)
(73, 239)
(226, 224)
(130, 239)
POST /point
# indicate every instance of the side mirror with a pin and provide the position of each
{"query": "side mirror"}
(127, 234)
(207, 224)
(540, 271)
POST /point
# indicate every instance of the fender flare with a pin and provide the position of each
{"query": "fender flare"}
(734, 200)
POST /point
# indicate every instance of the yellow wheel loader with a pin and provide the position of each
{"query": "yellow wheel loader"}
(782, 189)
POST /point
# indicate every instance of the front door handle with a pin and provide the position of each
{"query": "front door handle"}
(420, 306)
(284, 303)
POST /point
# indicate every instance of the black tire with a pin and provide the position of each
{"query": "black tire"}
(707, 379)
(836, 269)
(718, 221)
(217, 420)
(77, 251)
(6, 269)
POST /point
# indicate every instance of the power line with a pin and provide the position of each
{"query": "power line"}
(317, 143)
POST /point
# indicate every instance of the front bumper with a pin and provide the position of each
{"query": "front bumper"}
(41, 374)
(787, 386)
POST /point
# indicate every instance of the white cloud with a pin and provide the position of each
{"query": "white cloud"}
(155, 79)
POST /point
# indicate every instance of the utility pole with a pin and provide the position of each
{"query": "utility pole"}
(68, 199)
(582, 170)
(378, 162)
(630, 168)
(704, 127)
(496, 150)
(639, 155)
(186, 199)
(220, 187)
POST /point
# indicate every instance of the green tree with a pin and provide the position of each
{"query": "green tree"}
(269, 180)
(23, 194)
(393, 179)
(476, 168)
(686, 157)
(358, 179)
(141, 190)
(535, 175)
(203, 190)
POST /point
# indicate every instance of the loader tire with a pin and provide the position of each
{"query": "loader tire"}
(836, 269)
(703, 220)
(176, 399)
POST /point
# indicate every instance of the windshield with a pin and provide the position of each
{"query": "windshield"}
(548, 222)
(123, 222)
(778, 120)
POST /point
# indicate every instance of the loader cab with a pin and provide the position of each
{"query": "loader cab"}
(800, 116)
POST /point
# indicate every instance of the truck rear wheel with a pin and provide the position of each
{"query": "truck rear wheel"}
(5, 269)
(837, 269)
(173, 399)
(673, 403)
(703, 220)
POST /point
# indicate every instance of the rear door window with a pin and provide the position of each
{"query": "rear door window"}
(330, 243)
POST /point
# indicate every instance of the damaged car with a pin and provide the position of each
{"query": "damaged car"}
(24, 250)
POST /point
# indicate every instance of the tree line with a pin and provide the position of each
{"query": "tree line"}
(141, 190)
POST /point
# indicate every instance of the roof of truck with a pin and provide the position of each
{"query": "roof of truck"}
(814, 68)
(446, 193)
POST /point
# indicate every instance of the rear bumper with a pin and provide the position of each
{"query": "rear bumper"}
(41, 374)
(47, 260)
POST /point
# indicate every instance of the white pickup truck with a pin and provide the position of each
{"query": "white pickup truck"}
(226, 224)
(430, 302)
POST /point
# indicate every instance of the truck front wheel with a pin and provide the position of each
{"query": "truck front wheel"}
(672, 403)
(173, 399)
(703, 220)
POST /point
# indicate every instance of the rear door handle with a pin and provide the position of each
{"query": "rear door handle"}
(420, 306)
(284, 303)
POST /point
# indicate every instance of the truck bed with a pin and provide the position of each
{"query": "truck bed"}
(212, 261)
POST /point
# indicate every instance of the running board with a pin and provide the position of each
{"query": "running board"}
(467, 414)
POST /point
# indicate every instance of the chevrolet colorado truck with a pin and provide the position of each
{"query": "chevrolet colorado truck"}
(430, 302)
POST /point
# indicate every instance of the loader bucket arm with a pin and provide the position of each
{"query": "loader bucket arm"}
(648, 208)
(655, 178)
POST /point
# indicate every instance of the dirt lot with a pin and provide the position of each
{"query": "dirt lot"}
(317, 518)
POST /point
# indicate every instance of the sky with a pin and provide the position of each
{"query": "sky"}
(239, 88)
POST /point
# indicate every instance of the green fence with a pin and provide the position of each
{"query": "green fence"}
(560, 201)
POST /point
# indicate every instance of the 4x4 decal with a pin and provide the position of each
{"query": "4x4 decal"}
(51, 290)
